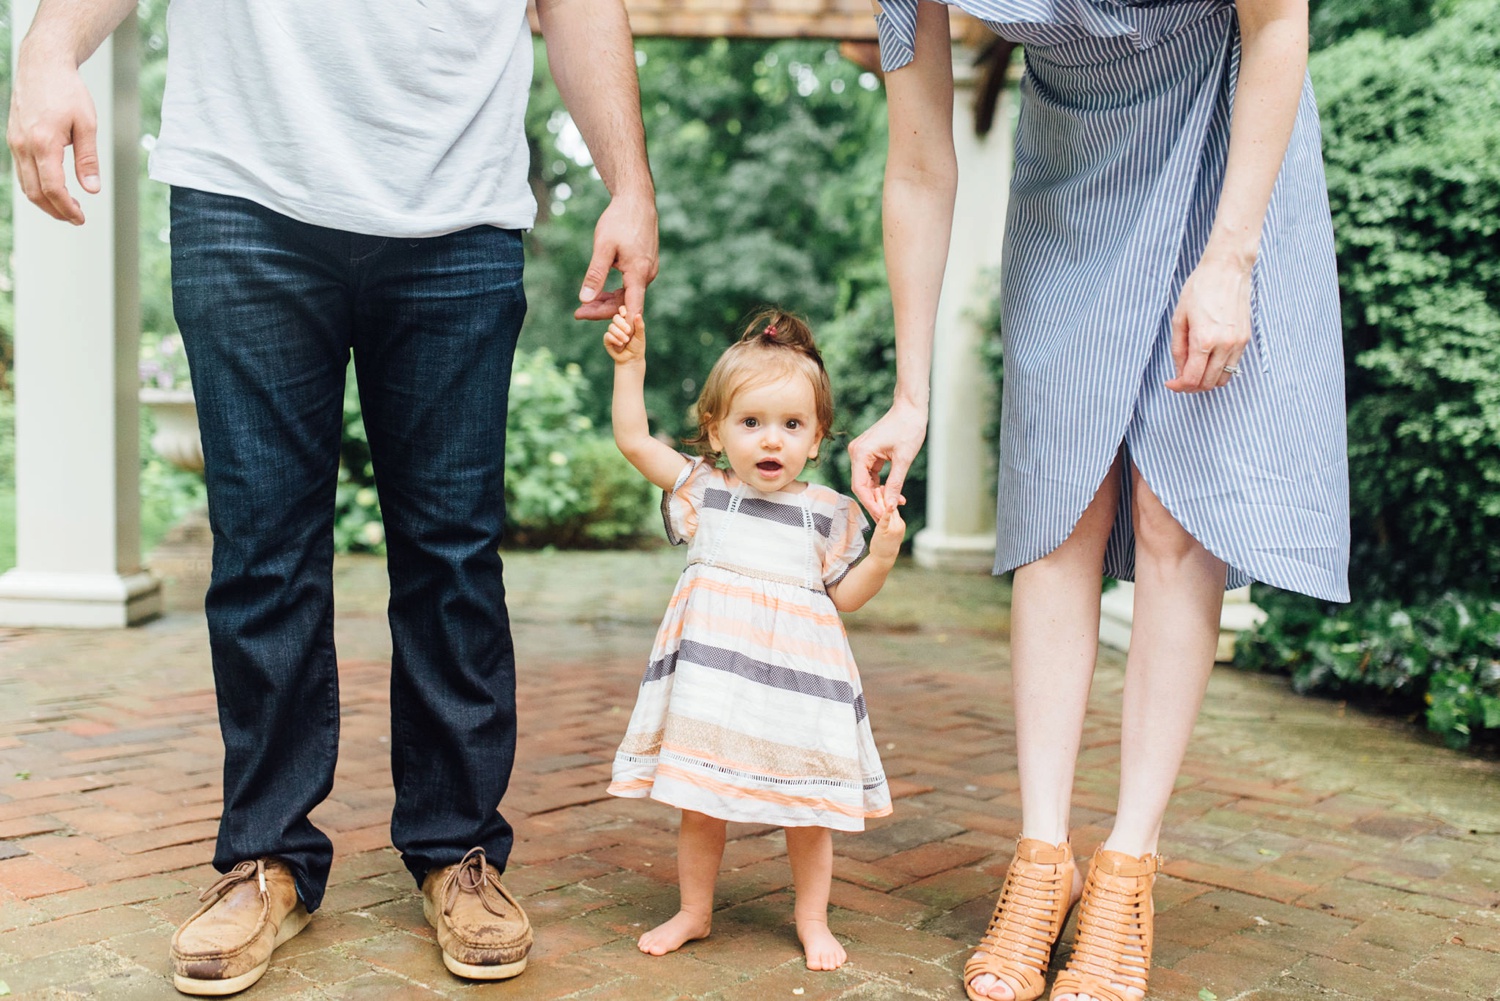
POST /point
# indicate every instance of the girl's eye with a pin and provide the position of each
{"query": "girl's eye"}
(793, 425)
(751, 422)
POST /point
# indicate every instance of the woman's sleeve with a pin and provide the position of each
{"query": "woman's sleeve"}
(896, 26)
(846, 541)
(681, 504)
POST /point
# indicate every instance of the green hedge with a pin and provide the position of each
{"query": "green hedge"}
(1411, 130)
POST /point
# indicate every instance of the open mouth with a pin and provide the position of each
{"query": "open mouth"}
(769, 467)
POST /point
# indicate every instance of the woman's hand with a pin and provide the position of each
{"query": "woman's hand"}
(896, 439)
(890, 532)
(1211, 324)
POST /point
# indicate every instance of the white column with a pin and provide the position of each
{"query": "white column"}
(77, 331)
(960, 532)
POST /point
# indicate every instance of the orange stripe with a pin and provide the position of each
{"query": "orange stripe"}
(763, 795)
(753, 596)
(748, 766)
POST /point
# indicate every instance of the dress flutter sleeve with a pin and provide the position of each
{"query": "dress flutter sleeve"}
(846, 540)
(681, 504)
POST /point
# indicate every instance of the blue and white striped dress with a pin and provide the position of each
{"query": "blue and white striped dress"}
(1120, 155)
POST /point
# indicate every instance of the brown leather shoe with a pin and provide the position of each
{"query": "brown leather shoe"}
(227, 945)
(483, 932)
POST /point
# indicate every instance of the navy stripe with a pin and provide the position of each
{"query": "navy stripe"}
(757, 507)
(771, 675)
(1120, 153)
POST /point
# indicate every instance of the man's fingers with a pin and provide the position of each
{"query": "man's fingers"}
(603, 307)
(598, 271)
(54, 190)
(635, 293)
(86, 155)
(30, 186)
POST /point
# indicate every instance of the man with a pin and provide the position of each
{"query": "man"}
(352, 175)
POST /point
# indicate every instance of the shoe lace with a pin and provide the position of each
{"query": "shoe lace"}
(475, 875)
(241, 873)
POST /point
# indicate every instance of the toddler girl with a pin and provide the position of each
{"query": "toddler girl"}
(751, 708)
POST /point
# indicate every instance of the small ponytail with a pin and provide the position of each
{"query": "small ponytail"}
(773, 327)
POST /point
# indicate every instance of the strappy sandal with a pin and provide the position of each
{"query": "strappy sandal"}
(1115, 929)
(1033, 907)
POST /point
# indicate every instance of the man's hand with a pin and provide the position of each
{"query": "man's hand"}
(50, 109)
(625, 340)
(624, 241)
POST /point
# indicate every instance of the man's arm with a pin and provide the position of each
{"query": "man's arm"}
(592, 56)
(50, 108)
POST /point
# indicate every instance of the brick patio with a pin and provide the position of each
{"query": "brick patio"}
(1313, 852)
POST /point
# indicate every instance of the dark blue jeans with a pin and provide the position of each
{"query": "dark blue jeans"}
(270, 310)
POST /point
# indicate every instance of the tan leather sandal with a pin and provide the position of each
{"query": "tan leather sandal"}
(1115, 929)
(1033, 907)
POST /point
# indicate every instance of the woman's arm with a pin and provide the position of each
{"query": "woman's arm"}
(921, 178)
(865, 579)
(1211, 325)
(625, 340)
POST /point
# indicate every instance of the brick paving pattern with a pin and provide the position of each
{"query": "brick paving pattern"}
(1312, 852)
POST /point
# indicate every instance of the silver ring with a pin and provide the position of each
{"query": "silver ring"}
(1232, 369)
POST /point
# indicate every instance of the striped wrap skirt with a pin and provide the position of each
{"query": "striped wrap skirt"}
(1120, 154)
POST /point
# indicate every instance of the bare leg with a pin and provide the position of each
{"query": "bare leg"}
(811, 852)
(1054, 642)
(700, 849)
(1179, 593)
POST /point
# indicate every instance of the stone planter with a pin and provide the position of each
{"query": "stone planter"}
(176, 416)
(184, 557)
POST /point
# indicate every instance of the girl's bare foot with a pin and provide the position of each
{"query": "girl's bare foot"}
(823, 950)
(672, 934)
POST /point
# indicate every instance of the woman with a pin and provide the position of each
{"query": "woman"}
(1173, 407)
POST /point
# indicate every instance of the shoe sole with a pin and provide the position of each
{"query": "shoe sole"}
(290, 927)
(472, 971)
(496, 971)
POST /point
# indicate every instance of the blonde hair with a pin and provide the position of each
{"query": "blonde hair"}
(775, 343)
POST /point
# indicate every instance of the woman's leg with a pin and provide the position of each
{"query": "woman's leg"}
(700, 849)
(811, 852)
(1179, 591)
(1054, 641)
(1179, 594)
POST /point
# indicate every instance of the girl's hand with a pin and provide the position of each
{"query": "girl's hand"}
(625, 340)
(895, 438)
(890, 532)
(1211, 324)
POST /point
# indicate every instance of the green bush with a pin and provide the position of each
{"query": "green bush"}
(565, 483)
(1412, 134)
(1440, 658)
(1411, 128)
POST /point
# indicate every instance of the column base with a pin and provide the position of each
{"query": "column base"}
(954, 553)
(1117, 611)
(78, 600)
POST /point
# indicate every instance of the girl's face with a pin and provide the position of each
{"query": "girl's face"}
(770, 432)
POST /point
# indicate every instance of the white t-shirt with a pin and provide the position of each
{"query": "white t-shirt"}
(401, 118)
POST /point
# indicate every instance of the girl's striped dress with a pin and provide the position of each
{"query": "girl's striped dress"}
(751, 708)
(1119, 162)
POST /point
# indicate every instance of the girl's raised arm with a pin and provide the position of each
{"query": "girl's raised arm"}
(625, 340)
(921, 178)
